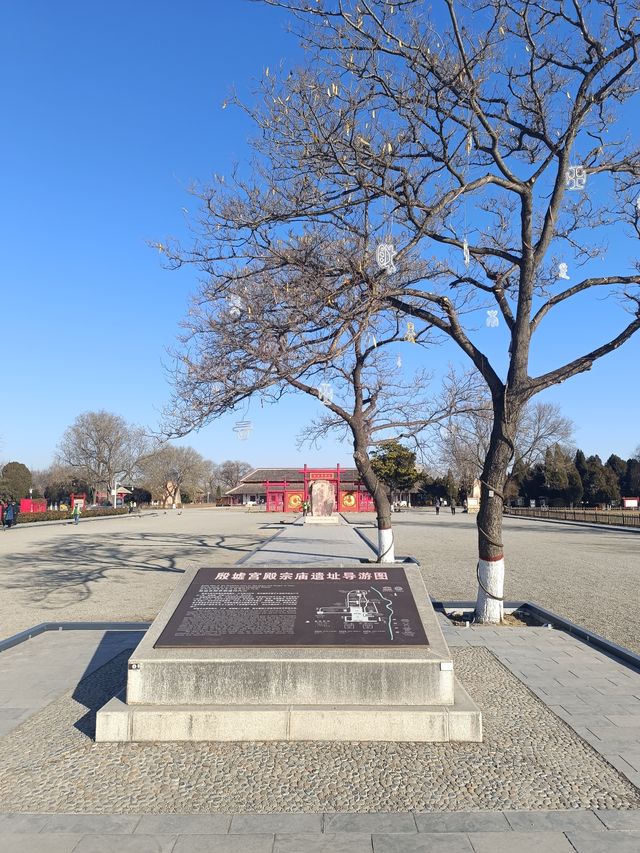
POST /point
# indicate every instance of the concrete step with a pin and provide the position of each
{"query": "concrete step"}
(462, 721)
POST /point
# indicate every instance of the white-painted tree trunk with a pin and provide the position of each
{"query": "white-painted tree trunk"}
(386, 547)
(491, 575)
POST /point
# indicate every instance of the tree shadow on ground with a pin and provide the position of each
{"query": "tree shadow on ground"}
(71, 568)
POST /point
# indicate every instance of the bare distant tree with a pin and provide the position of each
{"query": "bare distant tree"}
(170, 469)
(230, 472)
(103, 448)
(464, 440)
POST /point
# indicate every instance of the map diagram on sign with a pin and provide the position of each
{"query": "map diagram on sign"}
(360, 608)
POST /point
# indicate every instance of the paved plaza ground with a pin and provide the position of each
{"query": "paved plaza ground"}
(120, 569)
(559, 768)
(589, 575)
(123, 569)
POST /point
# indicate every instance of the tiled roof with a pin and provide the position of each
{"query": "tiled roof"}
(292, 475)
(253, 482)
(248, 489)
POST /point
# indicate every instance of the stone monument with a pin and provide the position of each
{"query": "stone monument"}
(322, 501)
(266, 653)
(473, 500)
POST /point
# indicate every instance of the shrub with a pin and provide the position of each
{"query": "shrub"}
(66, 514)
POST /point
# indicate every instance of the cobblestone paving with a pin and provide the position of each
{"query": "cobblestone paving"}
(530, 760)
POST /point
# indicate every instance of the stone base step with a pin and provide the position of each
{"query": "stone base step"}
(322, 519)
(121, 723)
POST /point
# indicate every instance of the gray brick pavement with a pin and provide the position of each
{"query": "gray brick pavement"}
(579, 831)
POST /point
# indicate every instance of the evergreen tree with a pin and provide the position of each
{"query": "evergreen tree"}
(15, 481)
(533, 485)
(594, 481)
(631, 481)
(619, 468)
(581, 467)
(556, 480)
(574, 490)
(395, 465)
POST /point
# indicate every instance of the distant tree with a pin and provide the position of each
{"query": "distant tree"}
(103, 449)
(15, 481)
(619, 468)
(574, 490)
(395, 465)
(611, 492)
(231, 471)
(556, 479)
(139, 496)
(631, 481)
(562, 481)
(516, 478)
(465, 441)
(617, 465)
(580, 461)
(170, 470)
(533, 484)
(451, 487)
(602, 484)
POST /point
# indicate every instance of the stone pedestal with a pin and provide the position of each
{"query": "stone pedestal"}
(403, 692)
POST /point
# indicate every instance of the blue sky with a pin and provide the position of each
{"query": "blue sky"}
(109, 112)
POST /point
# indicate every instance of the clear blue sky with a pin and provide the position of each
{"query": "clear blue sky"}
(109, 111)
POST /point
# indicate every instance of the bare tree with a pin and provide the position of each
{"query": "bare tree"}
(477, 145)
(298, 332)
(231, 471)
(464, 440)
(169, 469)
(103, 448)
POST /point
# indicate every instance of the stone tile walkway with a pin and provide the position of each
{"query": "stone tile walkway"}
(506, 832)
(594, 694)
(310, 544)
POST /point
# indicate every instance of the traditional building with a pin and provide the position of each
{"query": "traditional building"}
(286, 489)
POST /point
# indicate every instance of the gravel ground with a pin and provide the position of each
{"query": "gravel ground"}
(588, 575)
(120, 569)
(529, 760)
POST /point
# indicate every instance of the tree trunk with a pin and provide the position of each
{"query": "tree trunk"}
(386, 545)
(490, 569)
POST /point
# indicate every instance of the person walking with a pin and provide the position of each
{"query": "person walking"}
(437, 506)
(9, 515)
(77, 511)
(453, 507)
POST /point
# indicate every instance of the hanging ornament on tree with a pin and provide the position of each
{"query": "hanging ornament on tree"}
(385, 253)
(243, 429)
(398, 362)
(465, 252)
(410, 334)
(325, 392)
